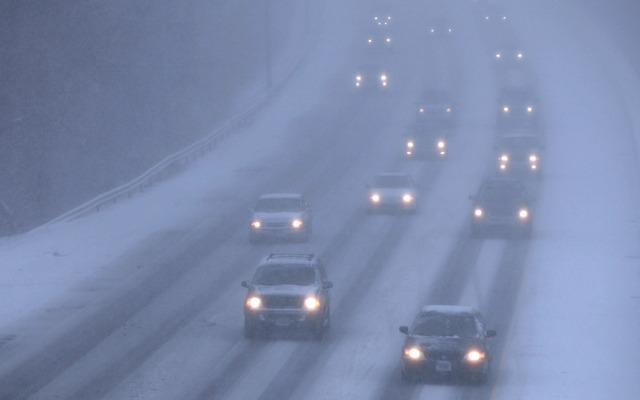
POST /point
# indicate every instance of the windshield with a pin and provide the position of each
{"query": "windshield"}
(433, 324)
(392, 181)
(519, 144)
(278, 204)
(504, 195)
(288, 274)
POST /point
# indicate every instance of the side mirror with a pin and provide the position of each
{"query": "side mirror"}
(327, 284)
(491, 333)
(245, 284)
(404, 329)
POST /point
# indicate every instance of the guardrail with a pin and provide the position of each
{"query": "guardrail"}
(177, 161)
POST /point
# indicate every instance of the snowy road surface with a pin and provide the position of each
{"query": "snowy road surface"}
(143, 300)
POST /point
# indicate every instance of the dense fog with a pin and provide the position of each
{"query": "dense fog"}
(94, 93)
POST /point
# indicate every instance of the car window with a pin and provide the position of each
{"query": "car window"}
(290, 274)
(281, 204)
(392, 181)
(445, 325)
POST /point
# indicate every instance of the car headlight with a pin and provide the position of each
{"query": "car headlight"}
(498, 56)
(474, 356)
(383, 77)
(529, 109)
(519, 56)
(254, 302)
(370, 41)
(311, 303)
(440, 144)
(533, 158)
(256, 224)
(375, 197)
(388, 40)
(505, 109)
(358, 78)
(523, 213)
(410, 144)
(448, 110)
(414, 353)
(504, 158)
(478, 212)
(296, 223)
(421, 110)
(407, 198)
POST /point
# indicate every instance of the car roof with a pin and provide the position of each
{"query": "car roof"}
(288, 258)
(449, 309)
(281, 196)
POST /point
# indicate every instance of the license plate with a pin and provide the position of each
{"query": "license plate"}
(282, 322)
(443, 366)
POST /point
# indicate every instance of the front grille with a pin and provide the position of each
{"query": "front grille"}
(276, 225)
(281, 301)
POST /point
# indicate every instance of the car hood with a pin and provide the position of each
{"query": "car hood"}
(446, 344)
(290, 290)
(282, 216)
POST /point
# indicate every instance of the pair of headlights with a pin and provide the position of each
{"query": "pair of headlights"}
(523, 213)
(416, 354)
(296, 223)
(406, 198)
(310, 303)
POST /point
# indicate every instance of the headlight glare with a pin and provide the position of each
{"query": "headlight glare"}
(375, 197)
(407, 198)
(523, 213)
(254, 302)
(256, 224)
(414, 353)
(478, 212)
(474, 356)
(296, 223)
(311, 303)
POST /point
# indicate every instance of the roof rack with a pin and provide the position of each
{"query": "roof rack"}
(306, 256)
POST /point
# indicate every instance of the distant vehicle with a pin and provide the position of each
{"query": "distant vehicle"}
(518, 108)
(435, 107)
(447, 341)
(379, 41)
(382, 20)
(508, 54)
(393, 192)
(288, 291)
(425, 141)
(518, 153)
(280, 215)
(501, 204)
(371, 77)
(439, 28)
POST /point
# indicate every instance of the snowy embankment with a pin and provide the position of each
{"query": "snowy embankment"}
(577, 323)
(42, 270)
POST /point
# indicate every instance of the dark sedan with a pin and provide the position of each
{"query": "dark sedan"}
(447, 342)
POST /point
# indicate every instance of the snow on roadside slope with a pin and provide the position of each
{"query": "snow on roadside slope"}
(39, 268)
(575, 335)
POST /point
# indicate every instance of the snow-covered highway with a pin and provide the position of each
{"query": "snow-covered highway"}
(143, 300)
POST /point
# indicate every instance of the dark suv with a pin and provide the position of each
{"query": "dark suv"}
(288, 291)
(446, 341)
(503, 204)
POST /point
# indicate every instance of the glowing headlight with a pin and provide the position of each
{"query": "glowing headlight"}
(477, 212)
(388, 40)
(311, 303)
(533, 158)
(523, 213)
(474, 356)
(448, 109)
(421, 110)
(256, 224)
(370, 41)
(440, 144)
(505, 109)
(254, 302)
(529, 109)
(498, 55)
(375, 198)
(410, 145)
(432, 30)
(407, 198)
(504, 158)
(519, 55)
(296, 223)
(383, 77)
(358, 78)
(414, 353)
